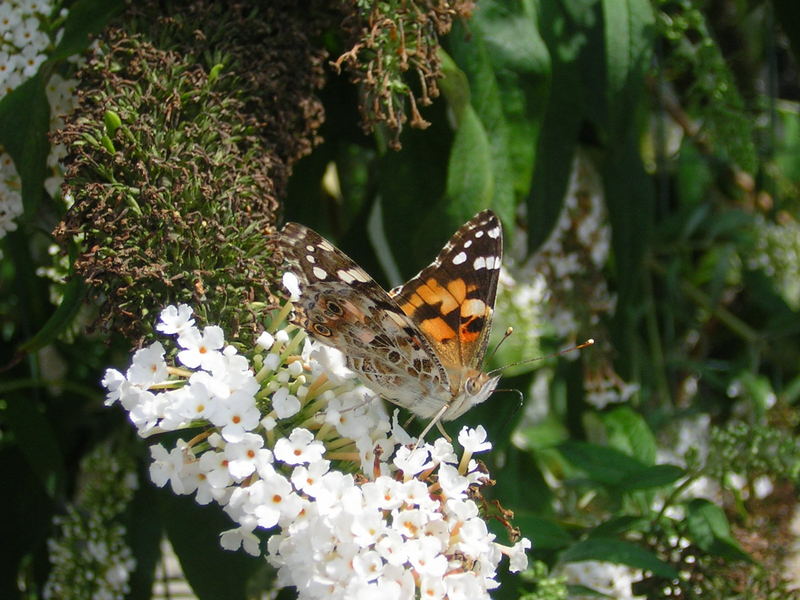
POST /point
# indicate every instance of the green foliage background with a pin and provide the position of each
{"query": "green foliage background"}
(688, 110)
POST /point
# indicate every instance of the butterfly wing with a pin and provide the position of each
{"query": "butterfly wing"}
(341, 306)
(452, 299)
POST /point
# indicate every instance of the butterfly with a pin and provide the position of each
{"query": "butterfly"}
(422, 344)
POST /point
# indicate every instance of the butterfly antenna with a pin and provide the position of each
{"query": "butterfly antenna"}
(585, 344)
(506, 335)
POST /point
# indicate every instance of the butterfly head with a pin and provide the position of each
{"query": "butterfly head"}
(475, 387)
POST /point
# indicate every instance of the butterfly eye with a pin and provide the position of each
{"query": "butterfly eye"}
(321, 330)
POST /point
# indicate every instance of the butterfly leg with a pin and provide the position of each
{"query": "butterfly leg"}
(436, 420)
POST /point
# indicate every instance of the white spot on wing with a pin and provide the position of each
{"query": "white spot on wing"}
(459, 258)
(479, 233)
(345, 276)
(319, 273)
(310, 248)
(359, 275)
(480, 263)
(468, 243)
(351, 275)
(310, 259)
(494, 233)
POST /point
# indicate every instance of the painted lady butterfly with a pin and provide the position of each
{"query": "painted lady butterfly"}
(421, 345)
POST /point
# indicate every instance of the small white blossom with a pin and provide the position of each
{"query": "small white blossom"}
(474, 440)
(201, 349)
(299, 448)
(176, 319)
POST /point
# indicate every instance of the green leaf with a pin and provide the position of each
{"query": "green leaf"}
(630, 199)
(564, 112)
(600, 463)
(619, 552)
(628, 41)
(521, 68)
(470, 180)
(74, 293)
(628, 431)
(787, 13)
(581, 591)
(412, 184)
(28, 426)
(545, 534)
(708, 527)
(145, 531)
(470, 175)
(616, 526)
(86, 17)
(27, 511)
(24, 123)
(651, 477)
(548, 432)
(193, 531)
(522, 486)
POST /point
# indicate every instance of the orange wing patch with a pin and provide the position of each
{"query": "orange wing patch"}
(432, 293)
(473, 318)
(437, 329)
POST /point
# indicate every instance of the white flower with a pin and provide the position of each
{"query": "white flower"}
(518, 559)
(271, 498)
(112, 381)
(214, 465)
(246, 455)
(474, 440)
(242, 536)
(285, 404)
(384, 493)
(148, 366)
(173, 466)
(236, 415)
(292, 285)
(403, 527)
(265, 340)
(299, 448)
(411, 462)
(453, 484)
(201, 349)
(175, 319)
(307, 479)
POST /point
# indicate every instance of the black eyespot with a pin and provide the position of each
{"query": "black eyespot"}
(334, 308)
(321, 330)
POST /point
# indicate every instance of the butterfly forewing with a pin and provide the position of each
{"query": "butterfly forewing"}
(452, 299)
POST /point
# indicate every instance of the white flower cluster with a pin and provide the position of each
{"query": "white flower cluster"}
(572, 258)
(23, 43)
(777, 254)
(569, 268)
(612, 580)
(277, 452)
(24, 46)
(63, 100)
(10, 194)
(89, 553)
